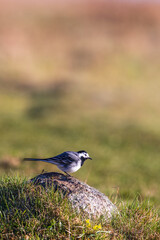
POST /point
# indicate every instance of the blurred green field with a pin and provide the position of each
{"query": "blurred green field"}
(83, 78)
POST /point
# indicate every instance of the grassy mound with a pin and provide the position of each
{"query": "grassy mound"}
(29, 212)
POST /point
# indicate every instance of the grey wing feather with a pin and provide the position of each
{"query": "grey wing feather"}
(66, 157)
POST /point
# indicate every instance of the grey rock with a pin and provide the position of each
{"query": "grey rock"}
(82, 197)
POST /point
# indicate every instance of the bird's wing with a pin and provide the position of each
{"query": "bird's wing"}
(65, 158)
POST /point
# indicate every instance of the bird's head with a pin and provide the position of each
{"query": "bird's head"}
(83, 155)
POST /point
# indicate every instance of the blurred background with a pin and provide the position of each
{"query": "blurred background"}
(80, 75)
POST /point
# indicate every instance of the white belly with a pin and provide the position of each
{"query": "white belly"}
(75, 168)
(72, 168)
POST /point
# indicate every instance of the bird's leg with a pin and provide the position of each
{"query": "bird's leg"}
(67, 174)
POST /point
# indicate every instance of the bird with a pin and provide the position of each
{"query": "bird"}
(67, 162)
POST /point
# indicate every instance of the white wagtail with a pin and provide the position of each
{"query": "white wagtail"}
(67, 162)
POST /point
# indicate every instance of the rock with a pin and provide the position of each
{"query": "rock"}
(81, 196)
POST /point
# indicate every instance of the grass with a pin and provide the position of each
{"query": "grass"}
(29, 212)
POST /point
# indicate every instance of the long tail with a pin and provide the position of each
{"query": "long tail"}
(33, 159)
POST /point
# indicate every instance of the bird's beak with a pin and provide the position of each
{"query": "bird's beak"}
(90, 158)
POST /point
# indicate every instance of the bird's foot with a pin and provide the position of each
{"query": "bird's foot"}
(43, 171)
(67, 174)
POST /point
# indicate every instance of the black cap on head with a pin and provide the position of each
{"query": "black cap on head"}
(81, 151)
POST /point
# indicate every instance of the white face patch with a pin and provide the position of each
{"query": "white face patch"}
(83, 154)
